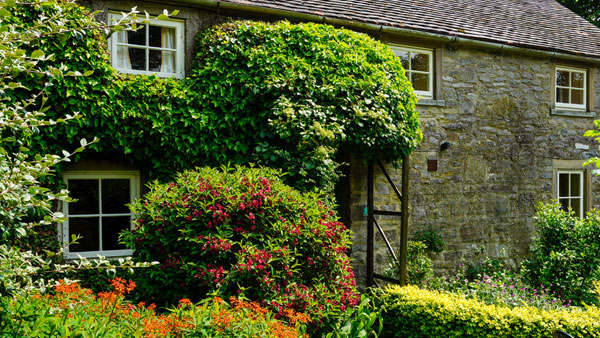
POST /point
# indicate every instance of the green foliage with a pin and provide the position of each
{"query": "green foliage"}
(483, 265)
(295, 93)
(243, 231)
(280, 95)
(413, 312)
(418, 265)
(589, 10)
(32, 34)
(359, 322)
(26, 72)
(72, 311)
(432, 237)
(566, 253)
(25, 270)
(492, 281)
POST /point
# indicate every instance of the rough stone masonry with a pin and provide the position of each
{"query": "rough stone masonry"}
(496, 112)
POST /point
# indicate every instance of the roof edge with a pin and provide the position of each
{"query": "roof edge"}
(458, 40)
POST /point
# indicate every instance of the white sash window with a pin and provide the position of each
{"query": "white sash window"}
(155, 48)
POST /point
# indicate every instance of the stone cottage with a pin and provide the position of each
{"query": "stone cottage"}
(507, 88)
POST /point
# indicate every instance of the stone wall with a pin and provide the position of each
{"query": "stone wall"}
(496, 114)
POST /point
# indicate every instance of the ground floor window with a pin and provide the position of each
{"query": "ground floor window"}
(100, 212)
(572, 185)
(570, 190)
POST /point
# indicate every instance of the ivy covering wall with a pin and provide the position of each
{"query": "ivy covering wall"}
(281, 95)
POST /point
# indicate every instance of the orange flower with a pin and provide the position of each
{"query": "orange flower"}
(121, 286)
(66, 289)
(184, 302)
(294, 317)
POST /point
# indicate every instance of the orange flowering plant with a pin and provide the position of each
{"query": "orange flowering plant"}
(73, 311)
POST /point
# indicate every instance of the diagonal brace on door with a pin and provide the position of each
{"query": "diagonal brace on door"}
(372, 222)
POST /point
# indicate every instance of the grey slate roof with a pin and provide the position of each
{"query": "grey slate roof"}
(536, 24)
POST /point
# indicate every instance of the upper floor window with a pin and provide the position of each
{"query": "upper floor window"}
(571, 84)
(100, 212)
(419, 68)
(155, 48)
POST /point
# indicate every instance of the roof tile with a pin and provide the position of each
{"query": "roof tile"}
(537, 24)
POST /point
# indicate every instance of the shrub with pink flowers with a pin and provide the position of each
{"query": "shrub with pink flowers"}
(242, 231)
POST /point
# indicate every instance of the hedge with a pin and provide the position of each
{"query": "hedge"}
(413, 312)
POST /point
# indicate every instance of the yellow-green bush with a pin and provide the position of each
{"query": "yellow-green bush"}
(413, 312)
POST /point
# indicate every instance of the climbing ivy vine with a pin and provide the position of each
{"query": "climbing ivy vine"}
(282, 95)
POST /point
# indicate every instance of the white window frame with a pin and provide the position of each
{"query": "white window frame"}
(134, 191)
(570, 106)
(179, 49)
(424, 94)
(582, 194)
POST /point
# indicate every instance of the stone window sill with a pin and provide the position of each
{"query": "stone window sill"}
(431, 102)
(575, 113)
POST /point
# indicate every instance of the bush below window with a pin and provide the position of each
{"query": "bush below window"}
(242, 231)
(566, 253)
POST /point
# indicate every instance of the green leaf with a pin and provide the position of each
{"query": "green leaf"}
(37, 54)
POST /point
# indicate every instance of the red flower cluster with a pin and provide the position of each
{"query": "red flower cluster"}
(245, 231)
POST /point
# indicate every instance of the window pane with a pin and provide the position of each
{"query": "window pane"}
(564, 203)
(562, 78)
(576, 96)
(137, 37)
(576, 205)
(420, 81)
(168, 62)
(155, 60)
(86, 192)
(162, 37)
(115, 194)
(137, 58)
(155, 36)
(563, 185)
(577, 80)
(121, 36)
(89, 230)
(420, 62)
(111, 227)
(575, 182)
(403, 58)
(562, 95)
(123, 58)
